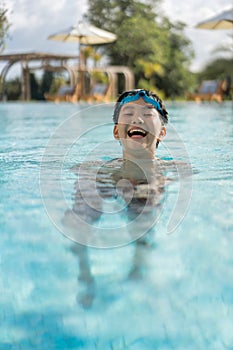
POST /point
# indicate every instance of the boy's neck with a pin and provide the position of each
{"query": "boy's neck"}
(141, 169)
(139, 157)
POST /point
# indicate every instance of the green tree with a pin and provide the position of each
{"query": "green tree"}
(157, 50)
(34, 85)
(13, 89)
(132, 22)
(4, 25)
(177, 59)
(46, 83)
(219, 68)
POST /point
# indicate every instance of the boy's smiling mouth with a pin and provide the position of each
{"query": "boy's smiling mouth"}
(136, 133)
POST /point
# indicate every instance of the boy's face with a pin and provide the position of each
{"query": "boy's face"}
(139, 128)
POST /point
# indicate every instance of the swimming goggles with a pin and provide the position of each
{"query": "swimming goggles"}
(142, 94)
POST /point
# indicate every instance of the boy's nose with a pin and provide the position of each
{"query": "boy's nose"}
(137, 119)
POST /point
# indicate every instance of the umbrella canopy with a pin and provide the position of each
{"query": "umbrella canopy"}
(84, 33)
(223, 20)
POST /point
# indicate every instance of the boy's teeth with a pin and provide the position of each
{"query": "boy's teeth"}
(137, 131)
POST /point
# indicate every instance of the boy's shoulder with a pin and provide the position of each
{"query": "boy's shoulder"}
(96, 164)
(179, 167)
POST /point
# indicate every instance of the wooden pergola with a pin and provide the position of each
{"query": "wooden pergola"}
(56, 62)
(46, 61)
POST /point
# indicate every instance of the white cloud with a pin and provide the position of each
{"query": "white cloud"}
(28, 15)
(193, 12)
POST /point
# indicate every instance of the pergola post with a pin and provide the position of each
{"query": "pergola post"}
(25, 83)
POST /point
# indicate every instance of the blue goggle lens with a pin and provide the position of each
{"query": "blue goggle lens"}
(146, 98)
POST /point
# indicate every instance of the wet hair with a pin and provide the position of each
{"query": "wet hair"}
(162, 109)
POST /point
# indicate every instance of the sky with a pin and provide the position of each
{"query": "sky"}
(33, 21)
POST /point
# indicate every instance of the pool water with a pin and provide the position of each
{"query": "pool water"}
(184, 297)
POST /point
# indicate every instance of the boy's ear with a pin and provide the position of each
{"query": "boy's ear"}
(162, 133)
(115, 132)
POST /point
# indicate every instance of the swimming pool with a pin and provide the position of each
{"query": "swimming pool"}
(184, 300)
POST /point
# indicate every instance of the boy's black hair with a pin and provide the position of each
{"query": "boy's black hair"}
(149, 93)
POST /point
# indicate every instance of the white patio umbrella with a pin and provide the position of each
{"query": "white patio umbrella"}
(224, 20)
(84, 34)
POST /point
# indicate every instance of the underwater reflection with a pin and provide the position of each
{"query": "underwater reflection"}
(115, 203)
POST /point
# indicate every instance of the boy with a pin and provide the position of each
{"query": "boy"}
(139, 118)
(139, 125)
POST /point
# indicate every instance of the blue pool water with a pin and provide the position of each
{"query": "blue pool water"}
(183, 300)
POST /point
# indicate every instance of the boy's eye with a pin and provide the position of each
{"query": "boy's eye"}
(144, 112)
(148, 111)
(128, 114)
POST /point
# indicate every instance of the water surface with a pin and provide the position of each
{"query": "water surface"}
(184, 298)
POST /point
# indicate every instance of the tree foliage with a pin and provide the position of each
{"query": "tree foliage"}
(45, 84)
(13, 89)
(156, 49)
(4, 25)
(219, 68)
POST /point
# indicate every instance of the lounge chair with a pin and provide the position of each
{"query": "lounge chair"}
(99, 93)
(209, 90)
(66, 93)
